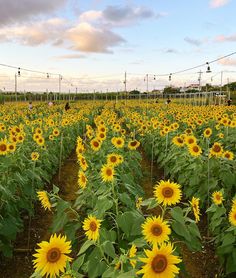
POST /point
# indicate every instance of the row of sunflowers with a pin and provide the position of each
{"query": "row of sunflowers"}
(33, 143)
(111, 229)
(196, 146)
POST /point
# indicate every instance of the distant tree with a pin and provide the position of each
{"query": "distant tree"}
(134, 92)
(171, 90)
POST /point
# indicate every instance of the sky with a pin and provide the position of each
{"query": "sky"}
(92, 43)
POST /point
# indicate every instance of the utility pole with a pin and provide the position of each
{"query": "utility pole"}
(16, 86)
(221, 82)
(125, 83)
(60, 78)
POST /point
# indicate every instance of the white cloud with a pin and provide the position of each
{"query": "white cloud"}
(218, 3)
(227, 62)
(87, 38)
(14, 11)
(223, 38)
(90, 16)
(39, 33)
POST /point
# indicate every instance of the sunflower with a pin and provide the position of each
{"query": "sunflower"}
(195, 206)
(82, 162)
(38, 130)
(232, 216)
(155, 230)
(107, 173)
(91, 227)
(194, 150)
(160, 262)
(167, 192)
(216, 150)
(95, 144)
(132, 254)
(11, 147)
(20, 138)
(101, 136)
(34, 156)
(133, 145)
(40, 141)
(228, 155)
(82, 179)
(113, 159)
(3, 147)
(221, 135)
(217, 197)
(207, 132)
(118, 142)
(190, 139)
(178, 141)
(56, 132)
(43, 197)
(51, 257)
(139, 202)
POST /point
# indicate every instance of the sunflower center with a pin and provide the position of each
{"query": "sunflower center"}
(167, 192)
(83, 178)
(133, 143)
(113, 158)
(53, 255)
(3, 147)
(218, 197)
(180, 140)
(109, 172)
(159, 263)
(102, 135)
(95, 144)
(190, 141)
(118, 142)
(217, 148)
(227, 155)
(195, 149)
(156, 230)
(93, 226)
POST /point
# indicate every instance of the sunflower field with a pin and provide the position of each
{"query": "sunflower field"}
(116, 225)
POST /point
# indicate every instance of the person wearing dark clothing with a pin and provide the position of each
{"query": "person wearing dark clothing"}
(229, 101)
(168, 100)
(67, 106)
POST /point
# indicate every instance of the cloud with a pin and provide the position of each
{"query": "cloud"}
(70, 56)
(223, 38)
(118, 16)
(193, 41)
(171, 50)
(82, 37)
(227, 62)
(88, 38)
(39, 33)
(13, 11)
(218, 3)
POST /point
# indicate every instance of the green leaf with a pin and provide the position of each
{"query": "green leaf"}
(181, 229)
(85, 246)
(228, 239)
(109, 249)
(129, 274)
(177, 214)
(78, 263)
(96, 268)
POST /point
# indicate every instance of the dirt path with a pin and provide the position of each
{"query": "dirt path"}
(20, 265)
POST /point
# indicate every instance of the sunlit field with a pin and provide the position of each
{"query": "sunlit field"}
(125, 188)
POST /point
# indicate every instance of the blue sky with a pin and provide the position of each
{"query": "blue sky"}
(92, 43)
